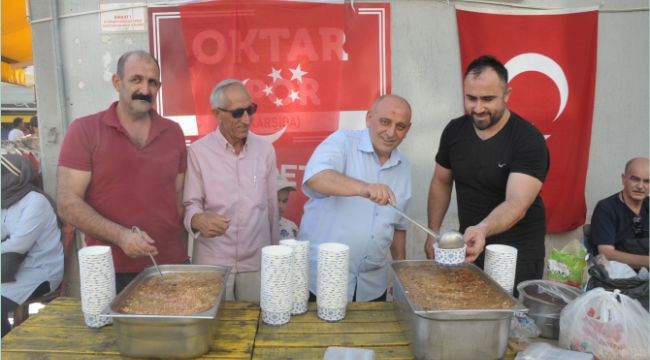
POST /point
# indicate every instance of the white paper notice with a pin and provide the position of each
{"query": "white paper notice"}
(127, 17)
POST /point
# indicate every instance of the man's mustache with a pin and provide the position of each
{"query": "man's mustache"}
(141, 97)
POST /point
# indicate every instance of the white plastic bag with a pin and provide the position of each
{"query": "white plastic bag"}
(607, 324)
(621, 271)
(544, 351)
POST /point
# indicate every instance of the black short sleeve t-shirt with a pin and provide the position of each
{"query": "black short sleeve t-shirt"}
(480, 169)
(612, 222)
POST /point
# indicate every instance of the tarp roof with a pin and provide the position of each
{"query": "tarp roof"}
(16, 41)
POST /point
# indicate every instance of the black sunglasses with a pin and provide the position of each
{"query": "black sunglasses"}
(638, 230)
(237, 113)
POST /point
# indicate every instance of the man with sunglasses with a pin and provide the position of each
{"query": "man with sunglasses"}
(619, 225)
(230, 196)
(125, 167)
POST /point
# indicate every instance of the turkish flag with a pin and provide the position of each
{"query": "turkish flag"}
(551, 62)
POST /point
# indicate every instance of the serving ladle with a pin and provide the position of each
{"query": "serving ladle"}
(451, 239)
(137, 229)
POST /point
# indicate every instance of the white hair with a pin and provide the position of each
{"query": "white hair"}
(218, 94)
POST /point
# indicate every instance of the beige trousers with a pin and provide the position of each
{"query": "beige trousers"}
(244, 286)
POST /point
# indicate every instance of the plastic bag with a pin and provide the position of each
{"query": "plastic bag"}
(523, 327)
(635, 287)
(567, 265)
(345, 353)
(607, 324)
(544, 351)
(621, 270)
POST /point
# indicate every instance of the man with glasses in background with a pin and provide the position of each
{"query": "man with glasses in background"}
(230, 196)
(619, 225)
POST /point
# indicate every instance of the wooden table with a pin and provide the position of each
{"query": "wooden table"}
(58, 331)
(366, 325)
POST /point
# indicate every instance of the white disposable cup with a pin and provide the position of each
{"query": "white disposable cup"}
(501, 265)
(97, 280)
(332, 275)
(276, 275)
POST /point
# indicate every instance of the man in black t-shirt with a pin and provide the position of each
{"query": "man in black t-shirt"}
(619, 225)
(498, 162)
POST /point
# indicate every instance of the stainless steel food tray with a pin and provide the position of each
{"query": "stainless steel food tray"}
(166, 336)
(453, 334)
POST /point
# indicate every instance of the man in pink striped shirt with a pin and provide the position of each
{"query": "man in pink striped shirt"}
(230, 195)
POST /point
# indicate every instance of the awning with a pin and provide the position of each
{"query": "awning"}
(16, 42)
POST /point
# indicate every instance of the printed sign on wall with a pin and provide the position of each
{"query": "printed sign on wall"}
(312, 68)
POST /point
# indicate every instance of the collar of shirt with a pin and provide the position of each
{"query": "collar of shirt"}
(157, 125)
(221, 140)
(365, 145)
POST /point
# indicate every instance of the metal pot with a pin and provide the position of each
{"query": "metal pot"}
(544, 307)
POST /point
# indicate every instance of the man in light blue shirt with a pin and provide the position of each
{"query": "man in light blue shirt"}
(349, 179)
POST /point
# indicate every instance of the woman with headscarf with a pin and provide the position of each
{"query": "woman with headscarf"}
(32, 252)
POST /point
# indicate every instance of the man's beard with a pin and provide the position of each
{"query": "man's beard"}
(494, 119)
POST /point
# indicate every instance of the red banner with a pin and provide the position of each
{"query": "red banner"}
(551, 62)
(312, 68)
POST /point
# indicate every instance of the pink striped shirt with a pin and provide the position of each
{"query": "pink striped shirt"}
(240, 187)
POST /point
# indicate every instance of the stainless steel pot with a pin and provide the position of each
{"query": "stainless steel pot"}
(544, 307)
(453, 334)
(166, 336)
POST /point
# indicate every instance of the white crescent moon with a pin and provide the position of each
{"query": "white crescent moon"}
(271, 138)
(545, 65)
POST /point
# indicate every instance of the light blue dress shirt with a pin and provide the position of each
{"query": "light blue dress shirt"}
(366, 227)
(29, 226)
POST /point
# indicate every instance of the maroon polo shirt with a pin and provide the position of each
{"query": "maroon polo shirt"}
(131, 186)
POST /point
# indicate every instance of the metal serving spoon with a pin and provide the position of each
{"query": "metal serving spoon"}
(137, 229)
(451, 239)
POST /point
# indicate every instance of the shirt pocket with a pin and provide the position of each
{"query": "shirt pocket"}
(260, 194)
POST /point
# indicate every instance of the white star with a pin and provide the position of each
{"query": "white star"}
(268, 90)
(297, 73)
(275, 74)
(294, 95)
(278, 102)
(245, 81)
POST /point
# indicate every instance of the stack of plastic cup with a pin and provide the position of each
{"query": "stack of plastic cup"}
(276, 290)
(300, 295)
(97, 277)
(332, 284)
(501, 265)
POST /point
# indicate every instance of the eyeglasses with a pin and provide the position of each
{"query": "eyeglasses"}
(638, 230)
(237, 113)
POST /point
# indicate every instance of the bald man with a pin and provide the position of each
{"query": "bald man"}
(349, 179)
(619, 225)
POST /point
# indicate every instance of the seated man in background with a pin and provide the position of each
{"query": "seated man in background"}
(619, 225)
(32, 253)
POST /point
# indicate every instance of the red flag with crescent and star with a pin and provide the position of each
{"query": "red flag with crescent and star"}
(551, 61)
(311, 67)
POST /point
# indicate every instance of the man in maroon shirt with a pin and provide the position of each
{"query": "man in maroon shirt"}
(125, 167)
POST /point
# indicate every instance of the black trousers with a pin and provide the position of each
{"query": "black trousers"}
(9, 305)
